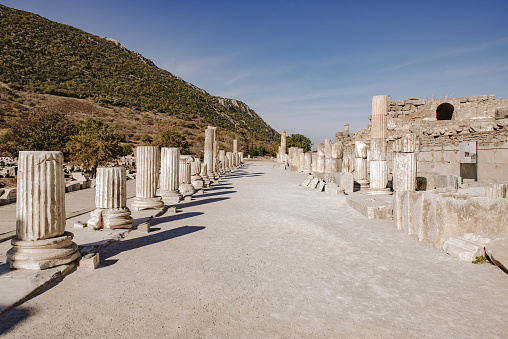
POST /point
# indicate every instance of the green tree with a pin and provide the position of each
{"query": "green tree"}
(170, 138)
(94, 145)
(298, 140)
(38, 131)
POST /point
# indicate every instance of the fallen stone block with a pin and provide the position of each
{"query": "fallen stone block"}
(89, 262)
(463, 249)
(497, 250)
(144, 227)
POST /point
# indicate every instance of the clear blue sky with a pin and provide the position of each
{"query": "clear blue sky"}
(308, 67)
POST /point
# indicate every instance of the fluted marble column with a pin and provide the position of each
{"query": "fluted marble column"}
(240, 157)
(169, 179)
(147, 178)
(208, 156)
(229, 161)
(111, 199)
(222, 161)
(378, 167)
(41, 241)
(301, 162)
(186, 188)
(360, 173)
(404, 163)
(215, 152)
(196, 179)
(314, 162)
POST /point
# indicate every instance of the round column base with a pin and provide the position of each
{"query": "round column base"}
(140, 204)
(44, 253)
(379, 191)
(114, 218)
(171, 197)
(186, 189)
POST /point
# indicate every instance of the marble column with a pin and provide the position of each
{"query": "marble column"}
(215, 153)
(226, 161)
(235, 153)
(320, 166)
(307, 162)
(301, 162)
(282, 148)
(208, 156)
(186, 188)
(196, 179)
(328, 156)
(110, 200)
(204, 176)
(378, 167)
(404, 163)
(41, 240)
(147, 178)
(336, 161)
(360, 172)
(314, 162)
(222, 161)
(170, 170)
(240, 157)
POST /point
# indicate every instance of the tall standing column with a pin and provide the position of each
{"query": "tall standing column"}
(41, 241)
(336, 161)
(208, 157)
(360, 173)
(404, 163)
(235, 153)
(222, 161)
(320, 166)
(307, 165)
(215, 152)
(110, 199)
(147, 178)
(378, 167)
(282, 149)
(186, 188)
(169, 181)
(328, 156)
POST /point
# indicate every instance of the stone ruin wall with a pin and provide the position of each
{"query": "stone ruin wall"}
(483, 119)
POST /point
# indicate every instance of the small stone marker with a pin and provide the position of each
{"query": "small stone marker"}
(144, 227)
(89, 262)
(171, 209)
(187, 198)
(79, 224)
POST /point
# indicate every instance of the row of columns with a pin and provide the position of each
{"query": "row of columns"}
(41, 240)
(330, 157)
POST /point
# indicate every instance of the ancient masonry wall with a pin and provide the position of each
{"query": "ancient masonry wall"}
(483, 119)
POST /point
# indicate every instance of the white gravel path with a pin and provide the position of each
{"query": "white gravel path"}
(260, 257)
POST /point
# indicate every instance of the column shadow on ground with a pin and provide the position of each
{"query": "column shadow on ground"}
(173, 217)
(135, 243)
(13, 317)
(206, 195)
(200, 202)
(243, 174)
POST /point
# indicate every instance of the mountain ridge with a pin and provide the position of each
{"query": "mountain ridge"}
(44, 57)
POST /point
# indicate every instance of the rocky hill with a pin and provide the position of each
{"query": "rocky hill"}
(45, 64)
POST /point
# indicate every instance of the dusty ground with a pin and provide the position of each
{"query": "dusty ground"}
(259, 256)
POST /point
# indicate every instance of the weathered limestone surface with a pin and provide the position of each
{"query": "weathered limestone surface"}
(434, 217)
(307, 162)
(497, 250)
(111, 199)
(169, 180)
(41, 241)
(321, 160)
(328, 156)
(494, 190)
(147, 178)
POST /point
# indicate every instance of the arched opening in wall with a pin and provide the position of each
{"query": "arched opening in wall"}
(444, 111)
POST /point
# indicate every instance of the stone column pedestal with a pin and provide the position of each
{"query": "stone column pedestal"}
(41, 241)
(186, 188)
(169, 178)
(147, 179)
(196, 179)
(111, 199)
